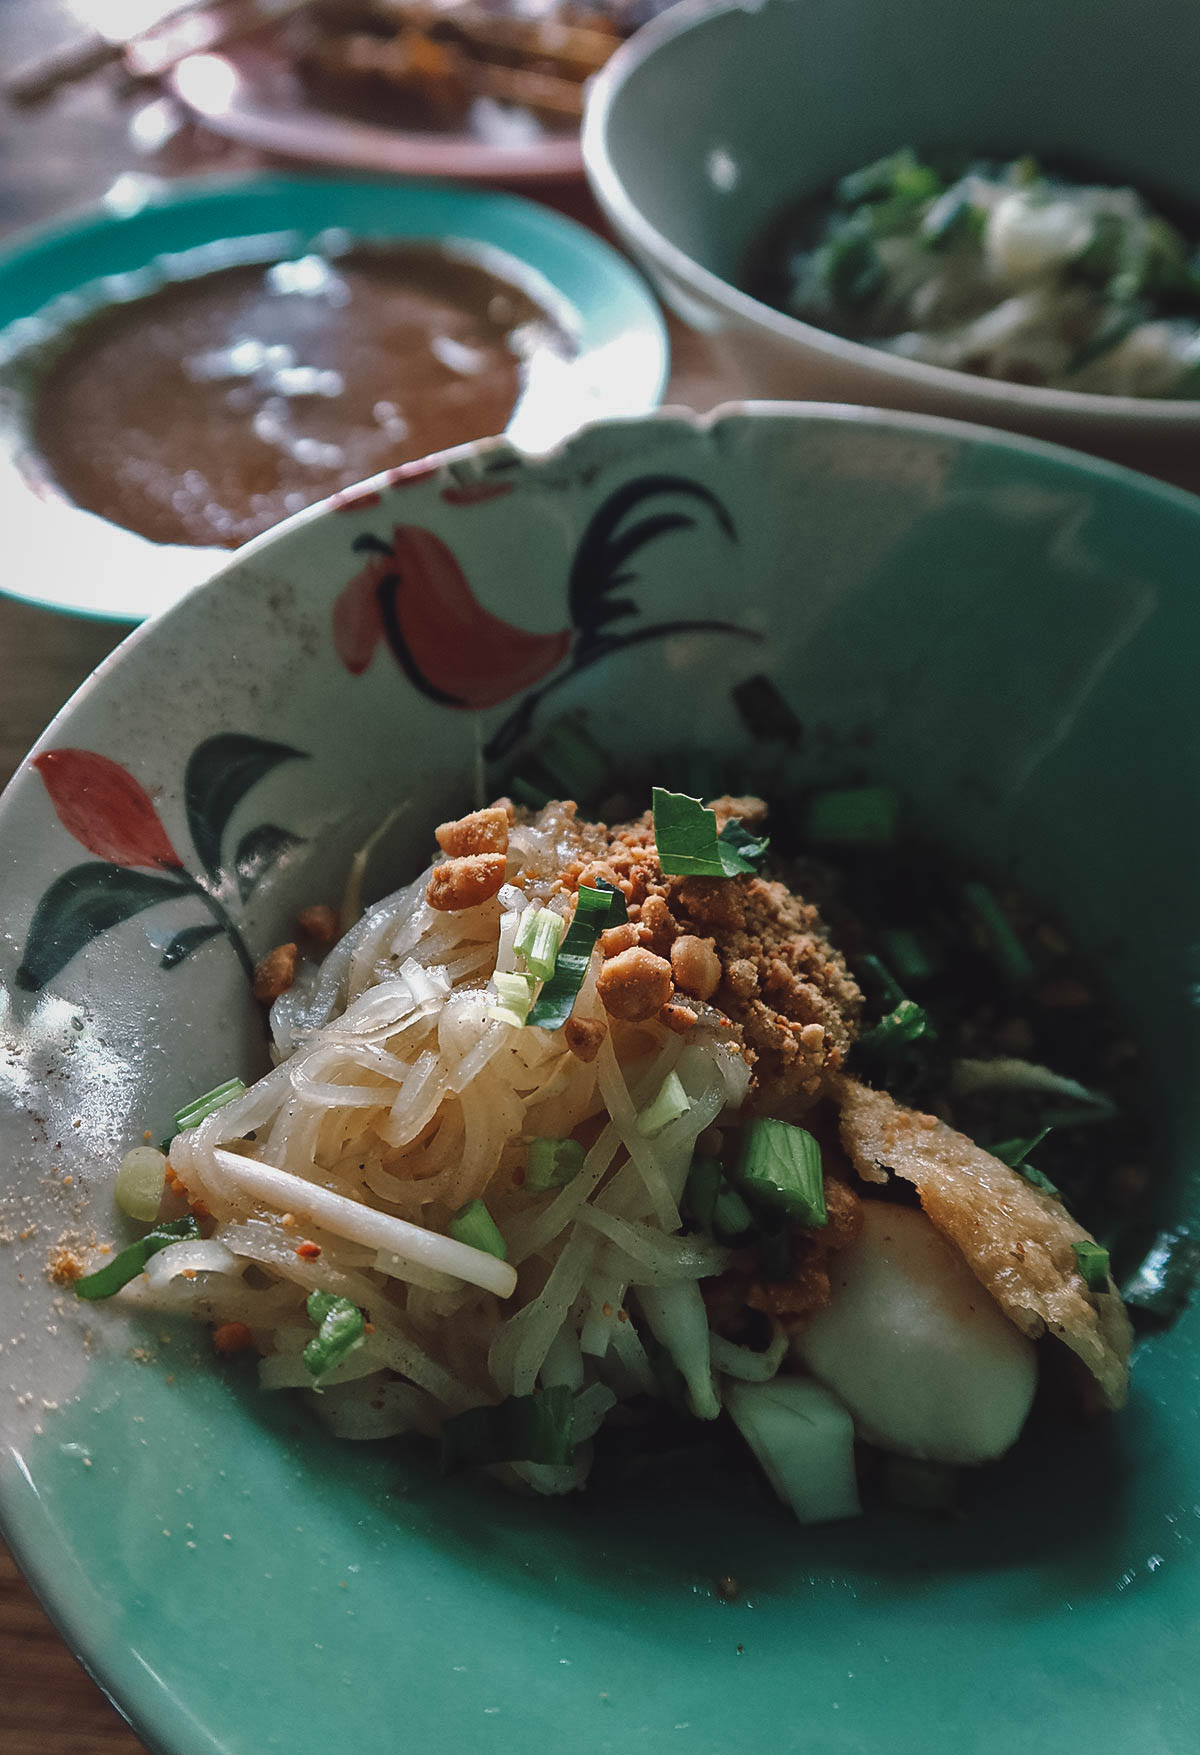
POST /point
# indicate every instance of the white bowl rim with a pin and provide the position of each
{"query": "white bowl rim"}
(1087, 408)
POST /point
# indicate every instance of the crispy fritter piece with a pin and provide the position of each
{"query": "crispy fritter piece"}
(1015, 1239)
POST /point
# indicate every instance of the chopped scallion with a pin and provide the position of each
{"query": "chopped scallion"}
(522, 1428)
(527, 927)
(340, 1329)
(553, 1163)
(129, 1264)
(515, 995)
(1013, 959)
(780, 1165)
(548, 935)
(1092, 1261)
(904, 1024)
(200, 1107)
(689, 844)
(595, 909)
(669, 1104)
(138, 1189)
(853, 816)
(475, 1226)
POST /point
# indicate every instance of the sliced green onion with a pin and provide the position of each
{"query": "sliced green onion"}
(1013, 959)
(595, 910)
(522, 1428)
(515, 993)
(1034, 1176)
(780, 1165)
(542, 953)
(139, 1184)
(129, 1264)
(1014, 1152)
(909, 952)
(526, 929)
(853, 816)
(904, 1024)
(475, 1226)
(731, 1216)
(689, 844)
(201, 1107)
(553, 1163)
(1092, 1261)
(340, 1328)
(669, 1104)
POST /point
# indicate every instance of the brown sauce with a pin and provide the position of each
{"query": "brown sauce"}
(208, 410)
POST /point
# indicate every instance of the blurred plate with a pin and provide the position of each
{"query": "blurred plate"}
(251, 92)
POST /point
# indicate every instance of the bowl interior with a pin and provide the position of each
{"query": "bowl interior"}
(783, 98)
(1005, 632)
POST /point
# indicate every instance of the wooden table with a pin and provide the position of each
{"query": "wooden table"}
(52, 159)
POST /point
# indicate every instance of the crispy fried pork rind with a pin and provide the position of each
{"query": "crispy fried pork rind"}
(1015, 1239)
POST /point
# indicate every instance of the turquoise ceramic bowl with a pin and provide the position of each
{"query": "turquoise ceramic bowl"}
(716, 116)
(1011, 631)
(67, 559)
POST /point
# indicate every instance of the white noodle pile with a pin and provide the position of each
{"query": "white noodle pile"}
(397, 1100)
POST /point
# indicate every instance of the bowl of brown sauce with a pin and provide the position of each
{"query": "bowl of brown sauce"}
(178, 377)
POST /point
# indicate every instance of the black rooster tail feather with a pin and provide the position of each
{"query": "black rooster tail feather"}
(603, 551)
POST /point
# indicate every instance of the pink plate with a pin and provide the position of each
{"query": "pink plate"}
(251, 93)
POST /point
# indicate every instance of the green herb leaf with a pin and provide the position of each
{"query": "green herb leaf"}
(1092, 1261)
(340, 1328)
(1014, 1152)
(780, 1165)
(904, 1024)
(689, 845)
(595, 910)
(522, 1428)
(475, 1226)
(552, 1164)
(201, 1107)
(129, 1264)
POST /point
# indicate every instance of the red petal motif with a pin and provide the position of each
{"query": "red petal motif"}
(105, 809)
(459, 647)
(357, 628)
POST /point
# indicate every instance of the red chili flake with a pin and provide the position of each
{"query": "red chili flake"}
(308, 1251)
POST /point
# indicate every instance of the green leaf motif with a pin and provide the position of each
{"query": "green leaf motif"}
(79, 906)
(187, 941)
(220, 772)
(258, 850)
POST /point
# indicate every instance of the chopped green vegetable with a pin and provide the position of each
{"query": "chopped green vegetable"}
(141, 1178)
(905, 1023)
(851, 265)
(515, 994)
(900, 173)
(129, 1264)
(688, 843)
(669, 1104)
(1015, 1153)
(553, 1163)
(1012, 959)
(201, 1107)
(543, 952)
(595, 910)
(909, 952)
(780, 1165)
(522, 1428)
(853, 816)
(475, 1226)
(1092, 1261)
(340, 1328)
(526, 928)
